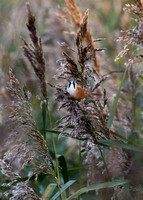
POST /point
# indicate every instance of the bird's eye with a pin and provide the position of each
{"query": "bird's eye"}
(69, 84)
(74, 84)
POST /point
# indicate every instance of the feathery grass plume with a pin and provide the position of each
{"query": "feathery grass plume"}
(34, 52)
(122, 164)
(135, 36)
(22, 191)
(73, 17)
(90, 115)
(25, 146)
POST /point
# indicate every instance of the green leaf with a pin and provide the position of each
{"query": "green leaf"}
(113, 109)
(79, 138)
(63, 165)
(74, 137)
(98, 186)
(120, 144)
(52, 131)
(63, 188)
(69, 126)
(49, 191)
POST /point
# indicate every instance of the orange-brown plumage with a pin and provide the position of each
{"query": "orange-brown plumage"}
(80, 93)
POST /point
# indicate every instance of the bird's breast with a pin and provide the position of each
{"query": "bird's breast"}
(71, 90)
(79, 93)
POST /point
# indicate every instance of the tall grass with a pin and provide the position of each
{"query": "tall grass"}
(52, 145)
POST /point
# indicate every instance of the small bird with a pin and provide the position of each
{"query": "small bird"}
(75, 90)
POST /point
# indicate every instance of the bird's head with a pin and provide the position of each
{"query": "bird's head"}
(75, 90)
(72, 84)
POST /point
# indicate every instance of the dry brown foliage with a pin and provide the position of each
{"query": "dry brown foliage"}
(34, 52)
(135, 36)
(73, 17)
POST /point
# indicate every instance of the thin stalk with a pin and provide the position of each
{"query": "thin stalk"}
(44, 114)
(114, 106)
(128, 140)
(104, 161)
(80, 166)
(54, 146)
(106, 166)
(83, 167)
(59, 189)
(96, 141)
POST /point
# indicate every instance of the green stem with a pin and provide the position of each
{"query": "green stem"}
(59, 189)
(44, 112)
(104, 162)
(45, 107)
(102, 157)
(114, 106)
(54, 146)
(80, 163)
(106, 166)
(122, 137)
